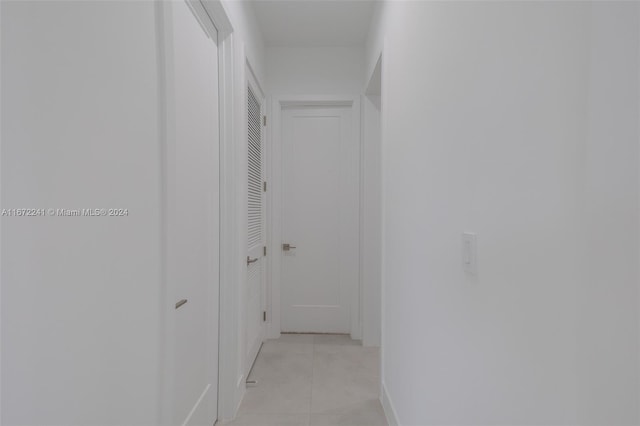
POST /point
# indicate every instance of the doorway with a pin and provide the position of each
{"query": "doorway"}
(318, 204)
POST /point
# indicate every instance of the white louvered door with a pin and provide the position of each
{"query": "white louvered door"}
(256, 235)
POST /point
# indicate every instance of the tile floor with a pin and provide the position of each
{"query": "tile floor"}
(313, 380)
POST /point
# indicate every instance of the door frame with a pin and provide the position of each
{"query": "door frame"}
(274, 204)
(252, 81)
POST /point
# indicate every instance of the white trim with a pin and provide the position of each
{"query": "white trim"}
(240, 379)
(227, 336)
(227, 352)
(388, 407)
(638, 178)
(316, 100)
(196, 406)
(219, 16)
(361, 247)
(273, 227)
(274, 198)
(383, 126)
(203, 18)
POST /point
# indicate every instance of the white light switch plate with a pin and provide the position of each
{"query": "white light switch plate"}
(469, 253)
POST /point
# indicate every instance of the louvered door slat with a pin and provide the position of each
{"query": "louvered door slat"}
(255, 172)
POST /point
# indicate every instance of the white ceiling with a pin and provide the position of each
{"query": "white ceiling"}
(314, 23)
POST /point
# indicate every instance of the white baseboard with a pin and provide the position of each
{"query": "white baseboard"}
(241, 389)
(198, 406)
(389, 409)
(272, 332)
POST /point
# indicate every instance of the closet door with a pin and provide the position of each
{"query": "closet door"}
(192, 256)
(256, 233)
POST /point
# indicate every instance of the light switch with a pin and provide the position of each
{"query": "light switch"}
(469, 254)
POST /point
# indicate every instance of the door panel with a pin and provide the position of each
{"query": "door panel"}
(193, 217)
(320, 218)
(256, 232)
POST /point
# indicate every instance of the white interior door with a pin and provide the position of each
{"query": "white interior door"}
(256, 235)
(193, 216)
(320, 219)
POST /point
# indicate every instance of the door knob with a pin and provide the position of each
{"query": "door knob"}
(287, 247)
(250, 260)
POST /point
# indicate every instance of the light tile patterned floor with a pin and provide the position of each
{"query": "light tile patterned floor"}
(313, 380)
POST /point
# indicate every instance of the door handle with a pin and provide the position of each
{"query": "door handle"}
(287, 247)
(250, 260)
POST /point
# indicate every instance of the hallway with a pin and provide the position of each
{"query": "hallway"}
(314, 380)
(319, 212)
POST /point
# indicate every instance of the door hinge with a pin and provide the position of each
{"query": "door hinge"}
(264, 120)
(264, 316)
(264, 250)
(264, 186)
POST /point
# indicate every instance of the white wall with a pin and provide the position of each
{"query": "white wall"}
(80, 295)
(315, 70)
(608, 298)
(518, 121)
(246, 32)
(371, 271)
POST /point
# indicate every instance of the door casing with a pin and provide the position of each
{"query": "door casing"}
(251, 349)
(274, 203)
